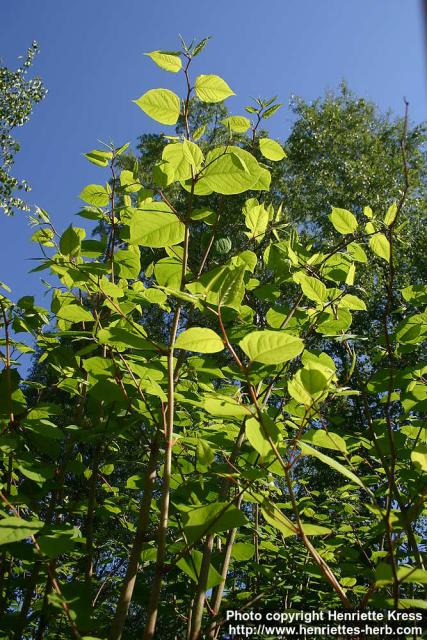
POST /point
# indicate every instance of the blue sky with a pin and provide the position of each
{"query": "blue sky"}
(93, 65)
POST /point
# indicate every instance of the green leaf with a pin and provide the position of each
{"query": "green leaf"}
(204, 454)
(391, 214)
(70, 241)
(129, 182)
(57, 541)
(123, 338)
(311, 287)
(419, 457)
(167, 60)
(256, 219)
(212, 518)
(199, 132)
(238, 124)
(230, 170)
(271, 149)
(160, 104)
(96, 195)
(306, 450)
(193, 154)
(258, 434)
(344, 221)
(13, 529)
(384, 575)
(313, 379)
(212, 88)
(232, 288)
(200, 46)
(243, 551)
(356, 252)
(192, 568)
(200, 340)
(271, 347)
(352, 302)
(74, 313)
(380, 246)
(157, 229)
(100, 158)
(107, 391)
(271, 111)
(225, 406)
(35, 471)
(168, 272)
(263, 181)
(325, 439)
(177, 165)
(127, 262)
(277, 519)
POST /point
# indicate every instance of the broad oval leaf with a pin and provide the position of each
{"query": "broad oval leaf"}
(312, 287)
(199, 339)
(96, 195)
(271, 149)
(271, 347)
(230, 170)
(258, 435)
(344, 221)
(380, 246)
(238, 124)
(157, 229)
(13, 529)
(211, 88)
(167, 60)
(160, 104)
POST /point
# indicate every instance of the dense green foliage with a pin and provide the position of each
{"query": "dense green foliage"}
(227, 403)
(17, 97)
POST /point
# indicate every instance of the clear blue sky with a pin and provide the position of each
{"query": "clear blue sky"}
(93, 65)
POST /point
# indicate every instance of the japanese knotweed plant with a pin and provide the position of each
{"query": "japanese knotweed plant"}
(155, 475)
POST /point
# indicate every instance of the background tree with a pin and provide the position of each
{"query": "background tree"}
(18, 95)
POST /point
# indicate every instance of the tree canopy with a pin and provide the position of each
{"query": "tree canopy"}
(226, 406)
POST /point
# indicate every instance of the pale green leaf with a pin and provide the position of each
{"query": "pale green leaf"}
(211, 88)
(238, 124)
(271, 347)
(157, 229)
(160, 104)
(312, 287)
(307, 450)
(74, 313)
(258, 435)
(256, 219)
(167, 60)
(419, 457)
(391, 214)
(230, 170)
(380, 246)
(96, 195)
(325, 439)
(225, 406)
(271, 149)
(193, 154)
(344, 221)
(199, 339)
(100, 158)
(349, 301)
